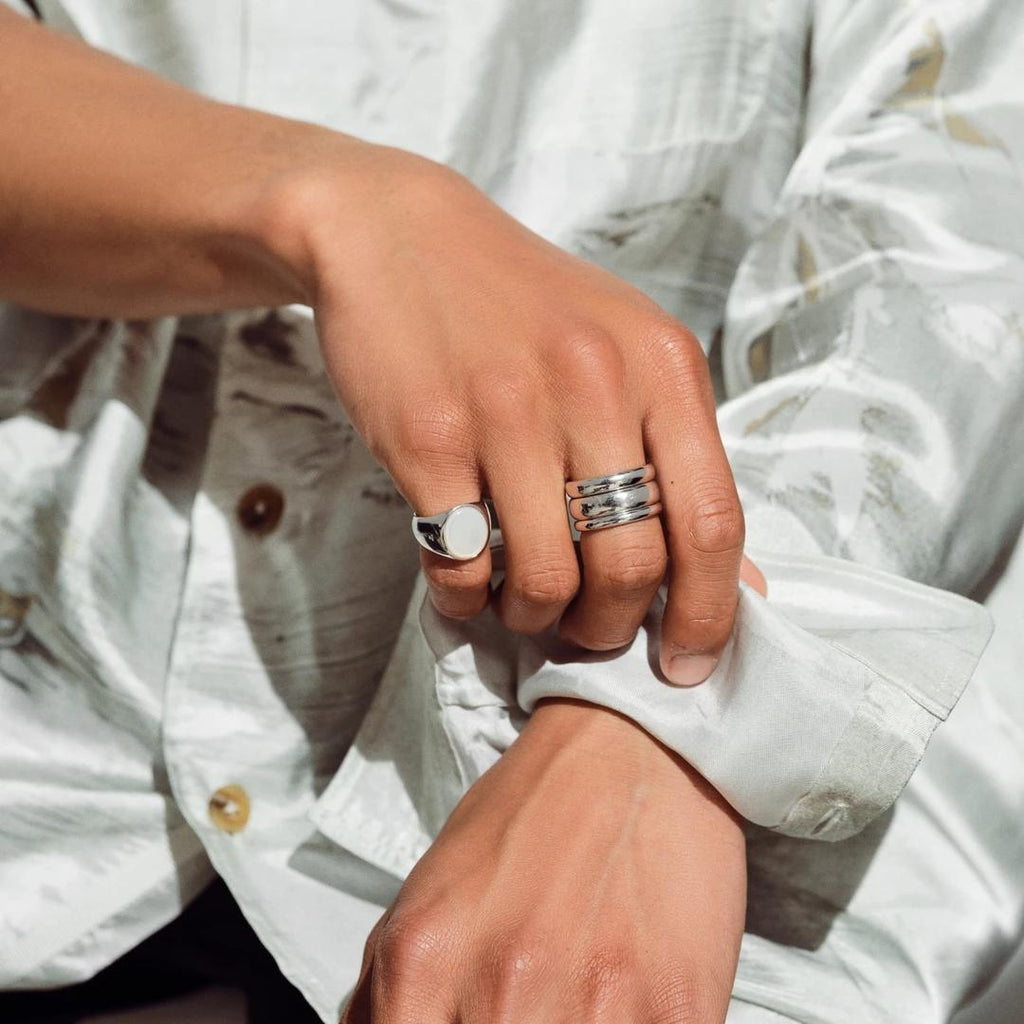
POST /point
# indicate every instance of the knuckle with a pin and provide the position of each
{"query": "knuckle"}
(604, 973)
(633, 571)
(514, 966)
(588, 355)
(680, 996)
(410, 944)
(711, 625)
(548, 583)
(672, 347)
(702, 619)
(715, 525)
(456, 579)
(434, 433)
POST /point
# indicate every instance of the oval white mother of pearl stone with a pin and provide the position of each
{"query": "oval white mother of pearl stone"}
(465, 531)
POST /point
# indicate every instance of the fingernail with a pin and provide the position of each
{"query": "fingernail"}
(690, 669)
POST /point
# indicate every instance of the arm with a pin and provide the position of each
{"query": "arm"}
(122, 235)
(597, 874)
(470, 354)
(122, 195)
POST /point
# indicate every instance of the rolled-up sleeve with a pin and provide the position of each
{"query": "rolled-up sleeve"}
(874, 347)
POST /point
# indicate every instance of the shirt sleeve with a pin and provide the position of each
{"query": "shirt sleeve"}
(874, 348)
(872, 356)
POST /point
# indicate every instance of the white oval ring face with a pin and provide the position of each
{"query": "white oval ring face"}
(465, 531)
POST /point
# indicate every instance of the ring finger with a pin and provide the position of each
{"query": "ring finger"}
(458, 589)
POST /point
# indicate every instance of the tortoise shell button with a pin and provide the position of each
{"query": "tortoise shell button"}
(260, 509)
(13, 609)
(229, 808)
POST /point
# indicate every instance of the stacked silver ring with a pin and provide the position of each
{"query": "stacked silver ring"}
(600, 502)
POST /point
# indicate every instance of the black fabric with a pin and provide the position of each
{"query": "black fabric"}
(211, 943)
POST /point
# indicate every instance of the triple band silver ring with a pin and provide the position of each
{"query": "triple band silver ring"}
(465, 531)
(601, 502)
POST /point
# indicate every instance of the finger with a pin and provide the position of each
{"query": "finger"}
(358, 1009)
(458, 589)
(622, 565)
(702, 514)
(360, 1005)
(622, 569)
(527, 484)
(413, 973)
(435, 468)
(753, 577)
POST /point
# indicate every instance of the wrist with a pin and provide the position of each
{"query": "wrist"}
(323, 219)
(282, 201)
(597, 731)
(602, 740)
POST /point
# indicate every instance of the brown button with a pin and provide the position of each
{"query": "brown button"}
(260, 509)
(13, 610)
(229, 808)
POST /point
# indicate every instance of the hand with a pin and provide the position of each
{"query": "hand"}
(475, 358)
(570, 886)
(472, 356)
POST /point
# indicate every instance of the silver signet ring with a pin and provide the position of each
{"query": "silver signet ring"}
(460, 533)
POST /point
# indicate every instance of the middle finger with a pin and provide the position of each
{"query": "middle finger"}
(623, 565)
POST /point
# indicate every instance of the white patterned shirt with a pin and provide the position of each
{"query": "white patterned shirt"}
(214, 655)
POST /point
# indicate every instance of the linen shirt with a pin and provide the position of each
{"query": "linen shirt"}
(215, 652)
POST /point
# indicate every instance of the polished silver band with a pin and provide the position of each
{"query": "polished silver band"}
(459, 533)
(613, 482)
(601, 502)
(632, 515)
(622, 500)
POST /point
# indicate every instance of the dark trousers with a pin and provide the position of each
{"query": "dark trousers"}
(211, 943)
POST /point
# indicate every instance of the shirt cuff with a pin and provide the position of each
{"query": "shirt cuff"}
(811, 725)
(823, 701)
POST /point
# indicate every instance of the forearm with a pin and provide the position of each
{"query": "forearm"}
(124, 195)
